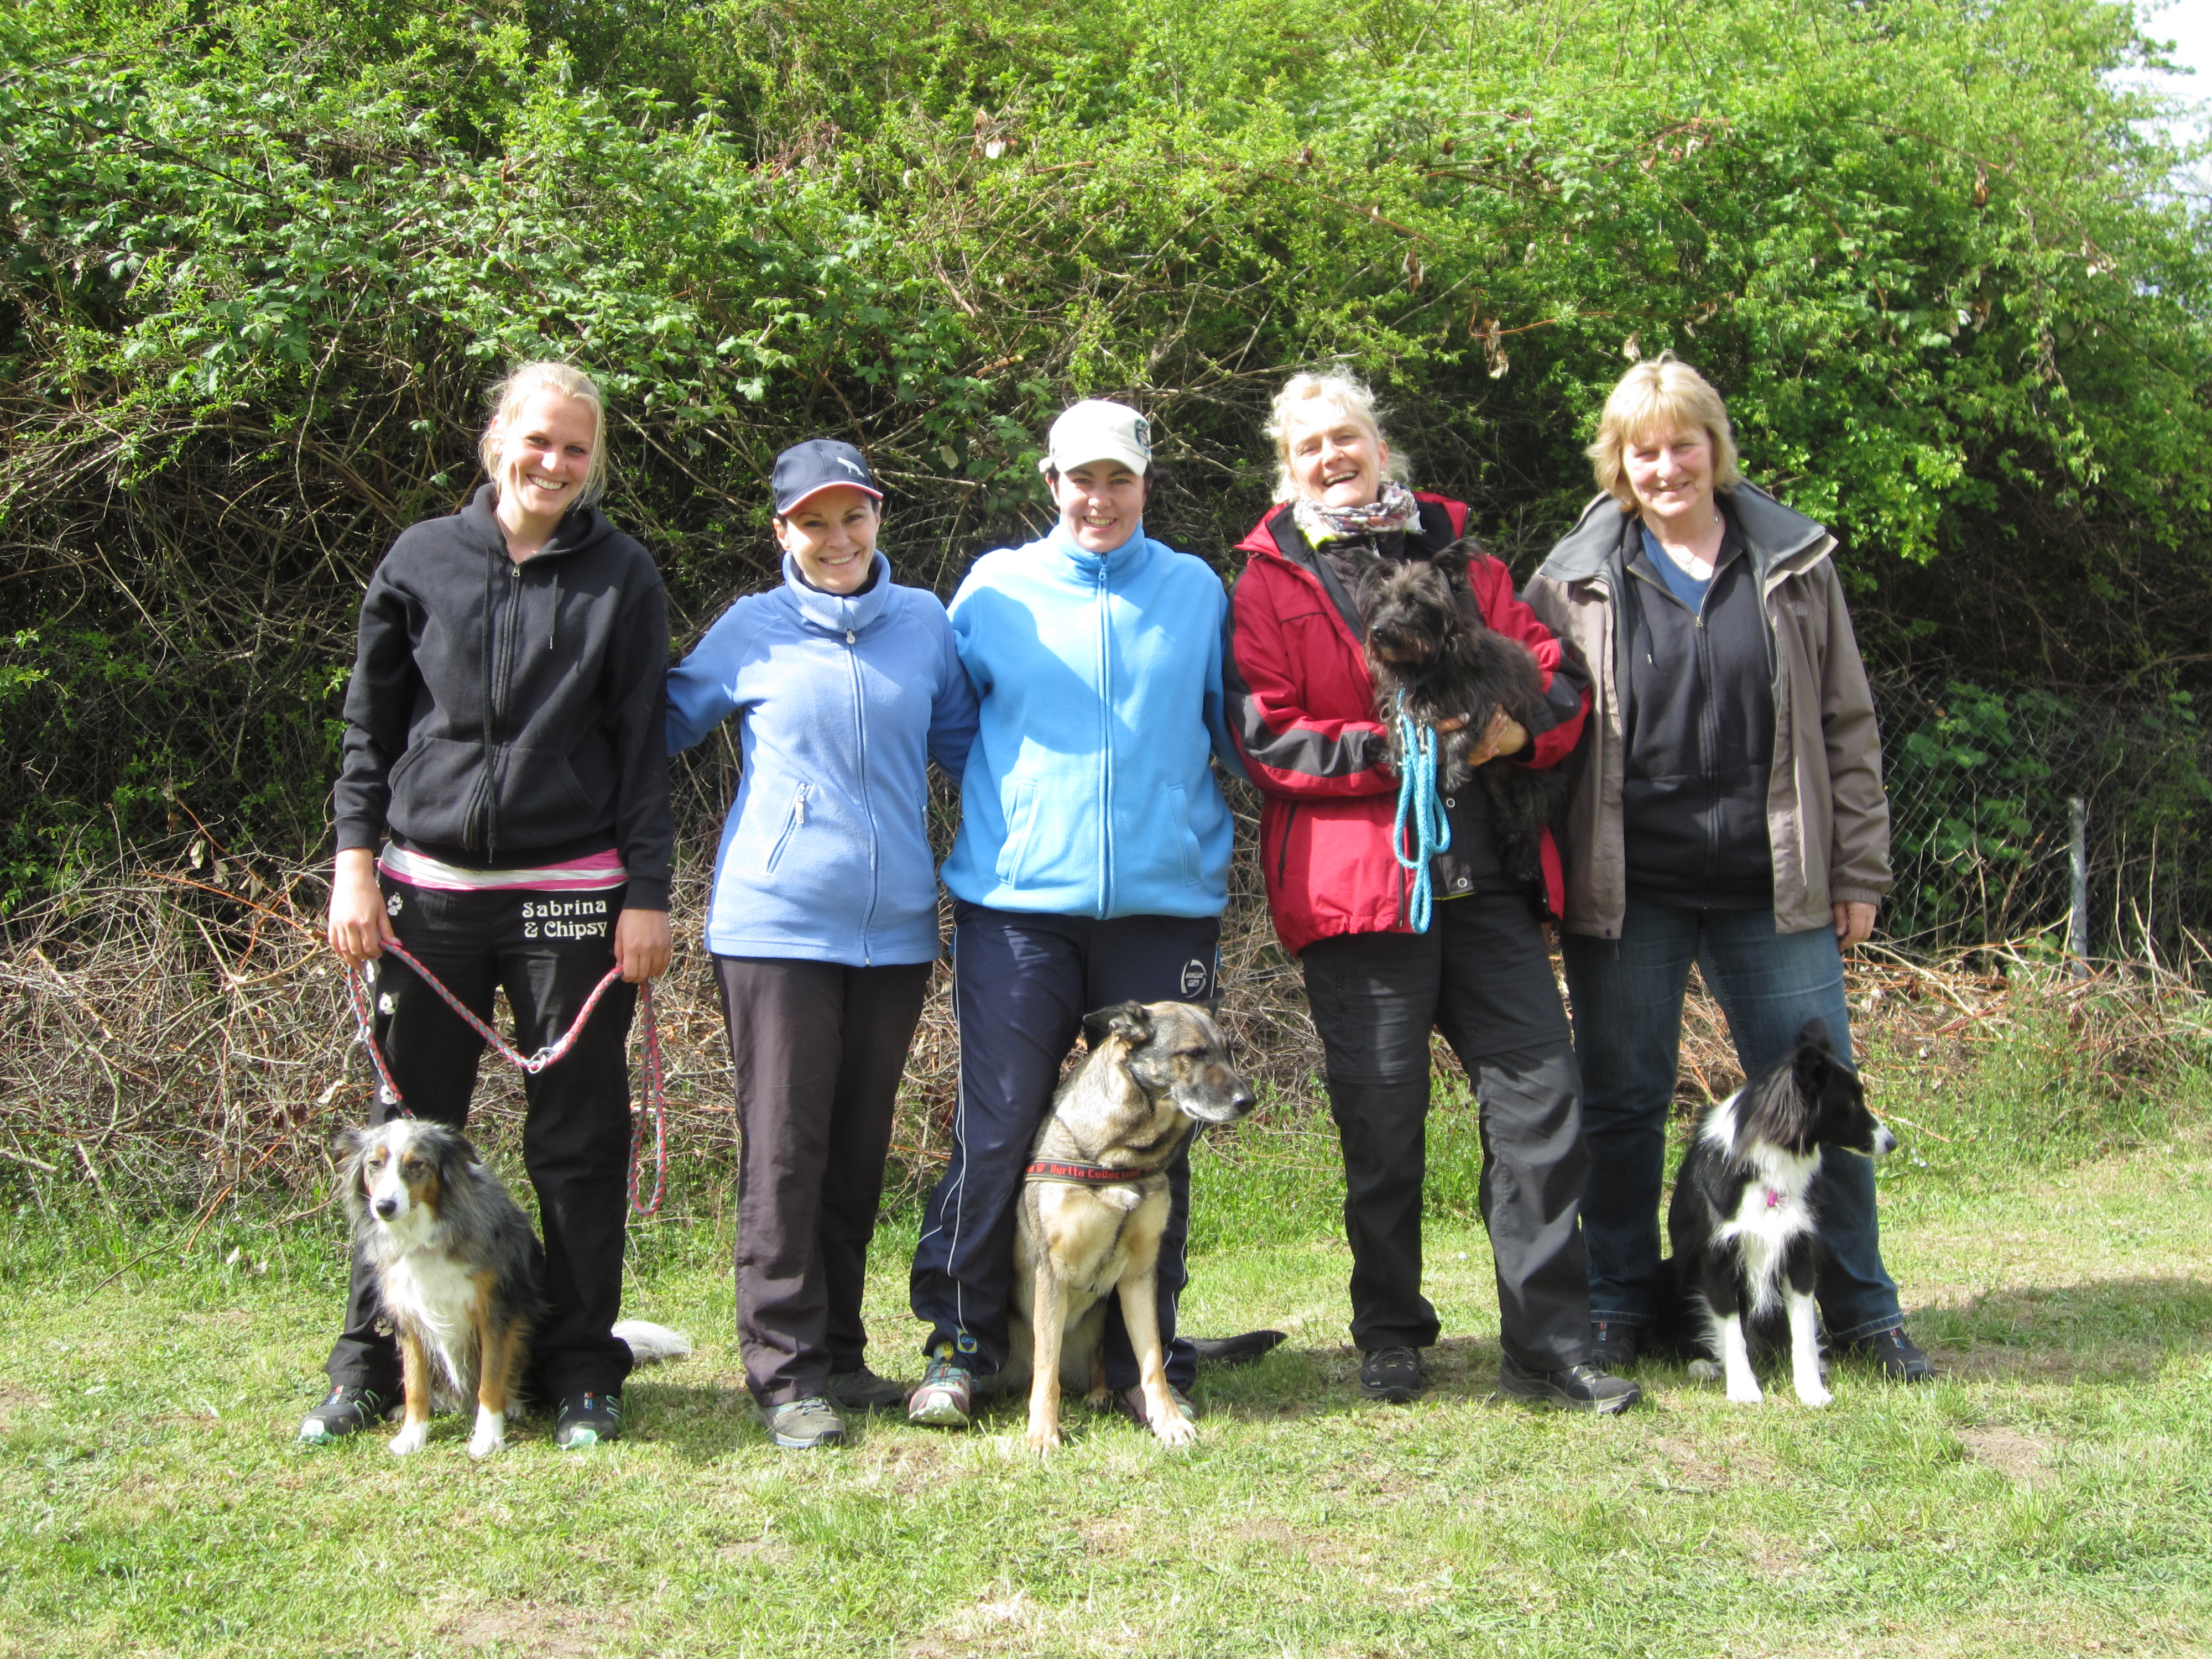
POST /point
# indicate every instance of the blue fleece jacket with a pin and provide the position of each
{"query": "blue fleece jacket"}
(1087, 792)
(842, 700)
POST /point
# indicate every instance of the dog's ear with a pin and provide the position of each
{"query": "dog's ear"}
(1815, 1034)
(1126, 1020)
(1455, 559)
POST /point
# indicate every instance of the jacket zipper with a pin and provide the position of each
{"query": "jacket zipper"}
(867, 802)
(1283, 848)
(1106, 749)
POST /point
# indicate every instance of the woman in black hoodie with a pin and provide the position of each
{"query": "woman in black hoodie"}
(502, 813)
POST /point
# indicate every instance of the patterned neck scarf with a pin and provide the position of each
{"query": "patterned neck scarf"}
(1394, 510)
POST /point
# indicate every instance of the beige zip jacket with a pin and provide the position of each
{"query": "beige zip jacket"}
(1827, 817)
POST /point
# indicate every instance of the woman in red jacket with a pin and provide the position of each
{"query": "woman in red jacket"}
(1303, 708)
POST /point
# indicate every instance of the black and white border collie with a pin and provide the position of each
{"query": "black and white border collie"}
(459, 1269)
(1742, 1223)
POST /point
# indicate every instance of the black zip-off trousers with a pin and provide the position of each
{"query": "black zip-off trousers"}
(548, 952)
(818, 1049)
(1481, 975)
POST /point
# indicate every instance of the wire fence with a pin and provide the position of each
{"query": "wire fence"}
(1997, 799)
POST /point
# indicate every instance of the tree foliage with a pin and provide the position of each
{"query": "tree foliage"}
(263, 257)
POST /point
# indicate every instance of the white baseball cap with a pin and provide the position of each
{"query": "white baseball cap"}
(1096, 431)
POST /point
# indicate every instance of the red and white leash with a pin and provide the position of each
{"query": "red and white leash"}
(656, 1102)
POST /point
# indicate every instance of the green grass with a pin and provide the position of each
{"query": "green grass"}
(2052, 1495)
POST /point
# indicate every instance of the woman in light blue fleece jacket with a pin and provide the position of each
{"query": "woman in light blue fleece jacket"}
(824, 919)
(1091, 866)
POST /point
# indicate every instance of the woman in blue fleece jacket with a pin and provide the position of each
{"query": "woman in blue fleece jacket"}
(1091, 866)
(824, 920)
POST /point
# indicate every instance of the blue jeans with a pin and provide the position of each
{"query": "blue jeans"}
(1628, 999)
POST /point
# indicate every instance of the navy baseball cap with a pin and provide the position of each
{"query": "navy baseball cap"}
(818, 464)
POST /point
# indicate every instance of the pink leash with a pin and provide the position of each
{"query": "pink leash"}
(656, 1103)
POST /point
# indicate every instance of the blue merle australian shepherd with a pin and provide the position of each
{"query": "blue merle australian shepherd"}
(1745, 1234)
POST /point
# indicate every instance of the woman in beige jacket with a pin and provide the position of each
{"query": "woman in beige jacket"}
(1730, 813)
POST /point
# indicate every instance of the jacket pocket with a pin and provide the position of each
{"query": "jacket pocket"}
(792, 821)
(1186, 837)
(1021, 823)
(432, 787)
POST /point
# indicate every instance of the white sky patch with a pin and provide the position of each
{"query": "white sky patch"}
(2188, 25)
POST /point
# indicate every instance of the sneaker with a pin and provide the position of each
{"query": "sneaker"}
(587, 1420)
(1393, 1375)
(1130, 1403)
(1892, 1353)
(1612, 1345)
(1576, 1388)
(346, 1409)
(802, 1424)
(862, 1391)
(945, 1397)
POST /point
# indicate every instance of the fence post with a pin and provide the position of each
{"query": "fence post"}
(2077, 915)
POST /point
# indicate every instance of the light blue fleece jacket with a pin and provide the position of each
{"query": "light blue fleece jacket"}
(841, 699)
(1087, 791)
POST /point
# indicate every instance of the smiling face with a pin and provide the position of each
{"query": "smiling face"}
(831, 537)
(546, 451)
(1101, 503)
(1334, 458)
(1671, 473)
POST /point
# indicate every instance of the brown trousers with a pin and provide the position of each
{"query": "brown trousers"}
(818, 1049)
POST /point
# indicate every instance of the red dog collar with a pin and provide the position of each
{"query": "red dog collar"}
(1083, 1175)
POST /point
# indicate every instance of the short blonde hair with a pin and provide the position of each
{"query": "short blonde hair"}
(522, 383)
(1348, 397)
(1664, 395)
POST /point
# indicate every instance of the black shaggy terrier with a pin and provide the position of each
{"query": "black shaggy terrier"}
(1426, 641)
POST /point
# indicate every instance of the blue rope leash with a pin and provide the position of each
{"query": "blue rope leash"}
(1418, 799)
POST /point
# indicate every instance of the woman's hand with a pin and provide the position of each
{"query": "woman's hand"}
(642, 944)
(1854, 924)
(1506, 736)
(359, 928)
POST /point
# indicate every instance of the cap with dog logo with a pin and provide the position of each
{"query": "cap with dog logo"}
(818, 464)
(1096, 431)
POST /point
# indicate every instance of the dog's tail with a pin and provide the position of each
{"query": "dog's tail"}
(651, 1343)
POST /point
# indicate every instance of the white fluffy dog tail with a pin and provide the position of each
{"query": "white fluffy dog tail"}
(651, 1343)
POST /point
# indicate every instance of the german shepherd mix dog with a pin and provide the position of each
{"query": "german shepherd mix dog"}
(458, 1269)
(1427, 642)
(1742, 1223)
(1095, 1197)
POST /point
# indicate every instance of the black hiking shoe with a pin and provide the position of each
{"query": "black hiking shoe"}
(1575, 1389)
(346, 1409)
(587, 1420)
(1894, 1354)
(1393, 1375)
(1612, 1345)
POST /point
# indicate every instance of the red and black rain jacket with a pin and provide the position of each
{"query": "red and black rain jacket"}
(1302, 706)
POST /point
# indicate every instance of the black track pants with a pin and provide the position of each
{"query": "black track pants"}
(818, 1049)
(1482, 976)
(1024, 983)
(547, 952)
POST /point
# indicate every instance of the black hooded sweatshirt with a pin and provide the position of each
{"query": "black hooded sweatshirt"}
(505, 715)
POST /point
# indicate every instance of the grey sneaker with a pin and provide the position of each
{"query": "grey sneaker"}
(1130, 1403)
(802, 1424)
(864, 1391)
(346, 1409)
(1573, 1388)
(945, 1397)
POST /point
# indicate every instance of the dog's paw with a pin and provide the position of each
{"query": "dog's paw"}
(1705, 1370)
(1815, 1396)
(491, 1435)
(410, 1439)
(1174, 1428)
(1041, 1438)
(1745, 1393)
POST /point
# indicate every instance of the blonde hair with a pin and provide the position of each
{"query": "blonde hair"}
(1349, 398)
(1663, 396)
(522, 382)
